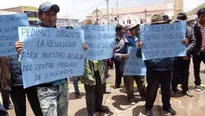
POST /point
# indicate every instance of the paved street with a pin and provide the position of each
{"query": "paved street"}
(116, 101)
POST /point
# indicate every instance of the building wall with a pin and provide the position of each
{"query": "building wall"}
(169, 5)
(178, 7)
(125, 19)
(63, 22)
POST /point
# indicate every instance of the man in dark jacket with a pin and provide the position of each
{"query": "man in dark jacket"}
(181, 64)
(11, 69)
(159, 72)
(3, 111)
(199, 48)
(118, 72)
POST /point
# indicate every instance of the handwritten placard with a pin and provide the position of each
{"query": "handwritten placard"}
(50, 54)
(100, 40)
(9, 32)
(164, 40)
(134, 66)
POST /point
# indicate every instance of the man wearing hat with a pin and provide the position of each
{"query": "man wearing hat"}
(166, 18)
(190, 22)
(121, 56)
(159, 72)
(199, 49)
(53, 96)
(181, 64)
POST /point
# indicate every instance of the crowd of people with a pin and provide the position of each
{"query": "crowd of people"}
(51, 99)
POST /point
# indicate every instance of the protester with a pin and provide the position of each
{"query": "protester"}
(53, 96)
(121, 56)
(159, 71)
(5, 87)
(166, 18)
(190, 22)
(94, 78)
(199, 48)
(3, 111)
(181, 64)
(11, 71)
(5, 95)
(118, 72)
(75, 80)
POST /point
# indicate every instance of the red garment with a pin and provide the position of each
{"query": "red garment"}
(203, 39)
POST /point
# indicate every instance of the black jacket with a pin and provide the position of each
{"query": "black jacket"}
(16, 74)
(198, 36)
(192, 40)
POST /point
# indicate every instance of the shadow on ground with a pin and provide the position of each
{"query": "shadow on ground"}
(121, 100)
(141, 110)
(83, 112)
(73, 97)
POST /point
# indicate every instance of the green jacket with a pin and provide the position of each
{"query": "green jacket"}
(88, 77)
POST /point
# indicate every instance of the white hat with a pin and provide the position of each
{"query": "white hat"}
(130, 26)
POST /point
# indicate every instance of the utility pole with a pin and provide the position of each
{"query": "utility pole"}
(117, 13)
(108, 19)
(97, 15)
(145, 12)
(178, 7)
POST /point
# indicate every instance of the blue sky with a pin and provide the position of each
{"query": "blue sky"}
(73, 6)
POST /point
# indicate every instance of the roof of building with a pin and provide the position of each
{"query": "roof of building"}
(23, 8)
(131, 10)
(7, 12)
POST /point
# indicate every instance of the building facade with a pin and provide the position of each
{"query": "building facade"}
(32, 13)
(134, 15)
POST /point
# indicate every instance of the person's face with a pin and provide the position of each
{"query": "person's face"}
(137, 29)
(133, 31)
(49, 18)
(202, 18)
(121, 32)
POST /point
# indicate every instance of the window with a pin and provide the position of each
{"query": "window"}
(115, 18)
(128, 21)
(33, 22)
(31, 13)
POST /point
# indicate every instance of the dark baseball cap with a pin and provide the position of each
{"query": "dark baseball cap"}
(46, 6)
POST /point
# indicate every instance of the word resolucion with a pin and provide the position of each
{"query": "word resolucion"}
(41, 32)
(49, 55)
(56, 43)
